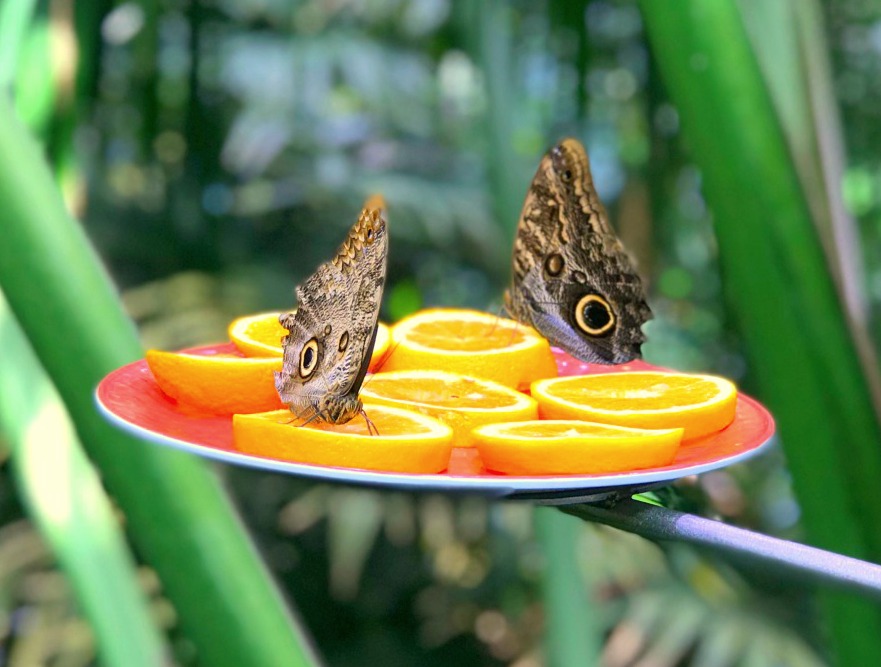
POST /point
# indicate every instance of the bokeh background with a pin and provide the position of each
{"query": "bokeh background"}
(215, 152)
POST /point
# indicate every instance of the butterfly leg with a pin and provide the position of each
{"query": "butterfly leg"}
(371, 427)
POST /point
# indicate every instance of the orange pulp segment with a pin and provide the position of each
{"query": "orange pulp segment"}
(701, 404)
(408, 442)
(260, 336)
(471, 343)
(459, 401)
(257, 335)
(218, 383)
(559, 447)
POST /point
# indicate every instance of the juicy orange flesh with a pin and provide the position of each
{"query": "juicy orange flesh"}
(631, 391)
(549, 429)
(386, 424)
(456, 393)
(267, 331)
(465, 336)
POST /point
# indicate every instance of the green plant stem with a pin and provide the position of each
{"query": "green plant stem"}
(780, 290)
(177, 512)
(572, 632)
(65, 498)
(14, 20)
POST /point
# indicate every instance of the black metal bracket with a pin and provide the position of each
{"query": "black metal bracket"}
(791, 560)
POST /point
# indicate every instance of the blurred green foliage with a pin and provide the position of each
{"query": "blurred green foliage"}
(217, 151)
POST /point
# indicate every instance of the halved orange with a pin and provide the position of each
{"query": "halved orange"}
(257, 335)
(701, 404)
(218, 383)
(408, 442)
(559, 447)
(260, 336)
(459, 401)
(471, 343)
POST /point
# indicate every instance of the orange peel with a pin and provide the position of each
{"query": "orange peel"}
(407, 442)
(700, 404)
(548, 447)
(260, 335)
(217, 383)
(460, 401)
(471, 343)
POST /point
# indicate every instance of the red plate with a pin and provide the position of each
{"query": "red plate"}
(130, 398)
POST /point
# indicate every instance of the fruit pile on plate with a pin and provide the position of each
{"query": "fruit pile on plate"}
(445, 380)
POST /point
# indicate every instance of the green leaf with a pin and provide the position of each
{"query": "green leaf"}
(177, 512)
(64, 497)
(800, 350)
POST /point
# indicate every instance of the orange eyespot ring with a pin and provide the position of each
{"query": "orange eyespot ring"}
(308, 358)
(594, 315)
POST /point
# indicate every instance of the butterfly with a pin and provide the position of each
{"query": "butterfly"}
(332, 333)
(572, 280)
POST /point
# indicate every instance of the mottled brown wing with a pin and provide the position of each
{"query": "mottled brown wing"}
(333, 330)
(571, 278)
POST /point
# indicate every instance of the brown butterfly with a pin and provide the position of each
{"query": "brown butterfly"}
(332, 332)
(572, 279)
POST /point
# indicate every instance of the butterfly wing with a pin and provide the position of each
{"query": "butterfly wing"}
(571, 278)
(331, 337)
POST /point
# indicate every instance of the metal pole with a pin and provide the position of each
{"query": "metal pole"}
(797, 562)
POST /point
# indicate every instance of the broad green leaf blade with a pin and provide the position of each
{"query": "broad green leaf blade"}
(14, 19)
(778, 285)
(572, 629)
(64, 497)
(178, 514)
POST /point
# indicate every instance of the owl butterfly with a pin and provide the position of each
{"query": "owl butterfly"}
(332, 332)
(572, 279)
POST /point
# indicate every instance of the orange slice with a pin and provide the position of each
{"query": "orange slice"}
(408, 442)
(220, 383)
(548, 447)
(459, 401)
(260, 336)
(701, 404)
(471, 343)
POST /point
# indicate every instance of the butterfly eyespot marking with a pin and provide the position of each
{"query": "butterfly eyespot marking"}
(327, 330)
(580, 277)
(554, 264)
(308, 358)
(566, 175)
(344, 341)
(594, 315)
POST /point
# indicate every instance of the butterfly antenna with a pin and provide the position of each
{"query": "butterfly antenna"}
(498, 320)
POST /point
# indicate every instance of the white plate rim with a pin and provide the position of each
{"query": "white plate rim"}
(498, 487)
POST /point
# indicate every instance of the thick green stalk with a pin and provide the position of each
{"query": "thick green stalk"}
(495, 54)
(488, 31)
(573, 635)
(15, 17)
(778, 285)
(177, 512)
(68, 503)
